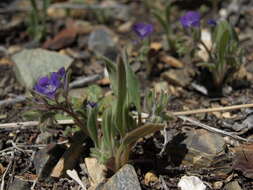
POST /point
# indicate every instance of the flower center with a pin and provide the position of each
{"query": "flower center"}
(50, 88)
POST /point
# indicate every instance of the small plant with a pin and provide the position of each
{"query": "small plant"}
(224, 56)
(37, 20)
(120, 127)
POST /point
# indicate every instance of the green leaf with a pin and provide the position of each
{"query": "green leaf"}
(149, 101)
(92, 125)
(133, 86)
(107, 127)
(168, 11)
(223, 44)
(94, 92)
(161, 20)
(121, 98)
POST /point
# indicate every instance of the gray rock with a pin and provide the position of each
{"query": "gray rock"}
(102, 42)
(35, 63)
(44, 138)
(19, 184)
(125, 179)
(199, 148)
(234, 185)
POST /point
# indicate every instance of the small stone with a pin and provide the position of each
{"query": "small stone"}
(150, 177)
(126, 27)
(191, 183)
(56, 13)
(117, 11)
(217, 185)
(44, 138)
(234, 185)
(35, 63)
(19, 184)
(102, 41)
(125, 178)
(95, 170)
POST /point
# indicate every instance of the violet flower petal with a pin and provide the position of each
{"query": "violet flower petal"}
(61, 72)
(190, 19)
(143, 30)
(212, 22)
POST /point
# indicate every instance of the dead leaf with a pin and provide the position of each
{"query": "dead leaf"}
(104, 81)
(156, 46)
(80, 26)
(73, 174)
(61, 40)
(57, 171)
(171, 61)
(2, 169)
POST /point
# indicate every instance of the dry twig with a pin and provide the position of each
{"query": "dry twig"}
(144, 115)
(6, 171)
(212, 129)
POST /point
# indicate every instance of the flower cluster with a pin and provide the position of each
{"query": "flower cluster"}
(192, 19)
(48, 85)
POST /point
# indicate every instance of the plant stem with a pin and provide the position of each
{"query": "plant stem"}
(74, 116)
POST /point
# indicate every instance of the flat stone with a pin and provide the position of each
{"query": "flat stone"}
(117, 11)
(102, 41)
(19, 184)
(198, 148)
(35, 63)
(126, 178)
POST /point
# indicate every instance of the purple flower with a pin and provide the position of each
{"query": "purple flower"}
(212, 22)
(48, 86)
(190, 19)
(143, 30)
(61, 72)
(91, 104)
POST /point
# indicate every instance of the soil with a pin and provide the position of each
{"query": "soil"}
(18, 162)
